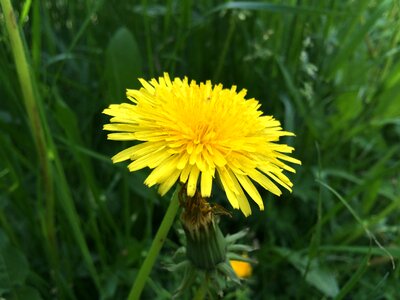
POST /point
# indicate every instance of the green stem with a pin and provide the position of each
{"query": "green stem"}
(155, 248)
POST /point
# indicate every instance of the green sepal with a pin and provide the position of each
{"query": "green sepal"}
(238, 257)
(227, 270)
(240, 248)
(232, 238)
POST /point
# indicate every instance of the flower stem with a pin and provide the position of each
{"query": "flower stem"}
(155, 248)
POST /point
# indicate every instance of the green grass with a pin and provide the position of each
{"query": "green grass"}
(74, 226)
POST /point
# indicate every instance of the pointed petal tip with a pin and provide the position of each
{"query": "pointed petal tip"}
(161, 192)
(246, 213)
(246, 209)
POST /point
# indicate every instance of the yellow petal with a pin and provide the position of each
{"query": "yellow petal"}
(218, 158)
(185, 174)
(147, 86)
(146, 148)
(228, 187)
(251, 190)
(123, 155)
(120, 127)
(241, 197)
(162, 172)
(151, 160)
(192, 182)
(169, 182)
(288, 158)
(264, 182)
(182, 161)
(121, 136)
(226, 179)
(206, 183)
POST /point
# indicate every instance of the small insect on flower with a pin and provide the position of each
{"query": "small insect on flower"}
(191, 133)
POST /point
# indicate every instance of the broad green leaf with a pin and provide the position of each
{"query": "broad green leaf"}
(26, 293)
(123, 65)
(14, 267)
(316, 275)
(389, 104)
(348, 105)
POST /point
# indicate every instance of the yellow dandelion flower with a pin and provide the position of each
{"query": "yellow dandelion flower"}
(242, 269)
(194, 132)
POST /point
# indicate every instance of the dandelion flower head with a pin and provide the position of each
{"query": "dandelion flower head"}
(194, 133)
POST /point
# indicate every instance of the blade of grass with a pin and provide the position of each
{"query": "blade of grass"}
(35, 115)
(316, 237)
(225, 48)
(359, 220)
(149, 47)
(271, 7)
(353, 36)
(394, 250)
(293, 90)
(36, 35)
(94, 8)
(24, 12)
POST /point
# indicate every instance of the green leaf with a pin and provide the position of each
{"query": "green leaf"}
(387, 107)
(14, 267)
(317, 276)
(123, 65)
(26, 293)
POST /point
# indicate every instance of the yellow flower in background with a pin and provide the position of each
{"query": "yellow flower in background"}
(193, 132)
(242, 269)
